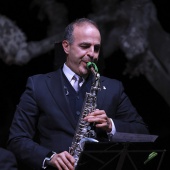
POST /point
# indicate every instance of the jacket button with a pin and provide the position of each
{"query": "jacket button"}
(78, 113)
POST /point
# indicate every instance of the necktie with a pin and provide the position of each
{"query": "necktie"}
(77, 82)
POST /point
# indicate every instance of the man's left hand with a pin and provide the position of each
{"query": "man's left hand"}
(100, 119)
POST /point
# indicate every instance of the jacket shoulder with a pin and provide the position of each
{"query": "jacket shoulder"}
(107, 79)
(43, 76)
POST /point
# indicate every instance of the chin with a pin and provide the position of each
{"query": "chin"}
(84, 71)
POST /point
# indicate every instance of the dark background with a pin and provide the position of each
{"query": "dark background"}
(147, 101)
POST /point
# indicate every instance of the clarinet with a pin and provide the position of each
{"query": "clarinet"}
(84, 132)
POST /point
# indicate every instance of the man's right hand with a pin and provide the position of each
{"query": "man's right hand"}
(62, 161)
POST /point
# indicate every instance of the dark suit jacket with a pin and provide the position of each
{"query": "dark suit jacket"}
(7, 160)
(44, 108)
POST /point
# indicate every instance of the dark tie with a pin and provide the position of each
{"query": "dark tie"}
(77, 82)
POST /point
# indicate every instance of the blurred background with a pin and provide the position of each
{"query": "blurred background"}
(135, 50)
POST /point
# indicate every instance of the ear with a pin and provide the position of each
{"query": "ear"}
(66, 46)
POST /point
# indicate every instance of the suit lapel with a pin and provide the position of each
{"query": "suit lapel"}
(55, 84)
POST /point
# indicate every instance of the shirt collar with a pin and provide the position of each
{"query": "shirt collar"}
(68, 72)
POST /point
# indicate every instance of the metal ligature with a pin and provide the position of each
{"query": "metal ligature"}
(84, 132)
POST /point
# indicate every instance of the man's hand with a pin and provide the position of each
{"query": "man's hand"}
(62, 161)
(100, 119)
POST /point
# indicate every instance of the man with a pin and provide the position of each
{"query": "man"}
(50, 107)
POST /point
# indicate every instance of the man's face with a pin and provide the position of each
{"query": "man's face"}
(85, 48)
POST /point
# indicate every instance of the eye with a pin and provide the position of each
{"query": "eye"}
(85, 46)
(97, 48)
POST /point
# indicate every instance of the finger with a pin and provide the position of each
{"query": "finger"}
(70, 160)
(98, 114)
(64, 161)
(58, 163)
(68, 165)
(91, 119)
(64, 164)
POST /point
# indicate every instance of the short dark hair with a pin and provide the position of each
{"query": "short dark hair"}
(68, 33)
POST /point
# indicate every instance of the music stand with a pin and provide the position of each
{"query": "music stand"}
(128, 154)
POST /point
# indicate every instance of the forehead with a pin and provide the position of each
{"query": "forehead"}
(87, 32)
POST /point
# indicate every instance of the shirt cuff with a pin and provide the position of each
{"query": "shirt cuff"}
(110, 134)
(49, 156)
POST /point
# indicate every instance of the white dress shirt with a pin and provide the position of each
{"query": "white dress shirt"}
(70, 74)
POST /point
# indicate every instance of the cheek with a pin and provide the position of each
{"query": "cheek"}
(79, 52)
(76, 53)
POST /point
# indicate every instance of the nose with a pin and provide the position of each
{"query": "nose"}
(91, 52)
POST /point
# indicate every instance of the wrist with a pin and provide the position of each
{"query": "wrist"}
(48, 158)
(109, 124)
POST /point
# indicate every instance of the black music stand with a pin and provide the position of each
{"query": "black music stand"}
(131, 153)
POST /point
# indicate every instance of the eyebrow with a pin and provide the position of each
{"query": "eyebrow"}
(86, 43)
